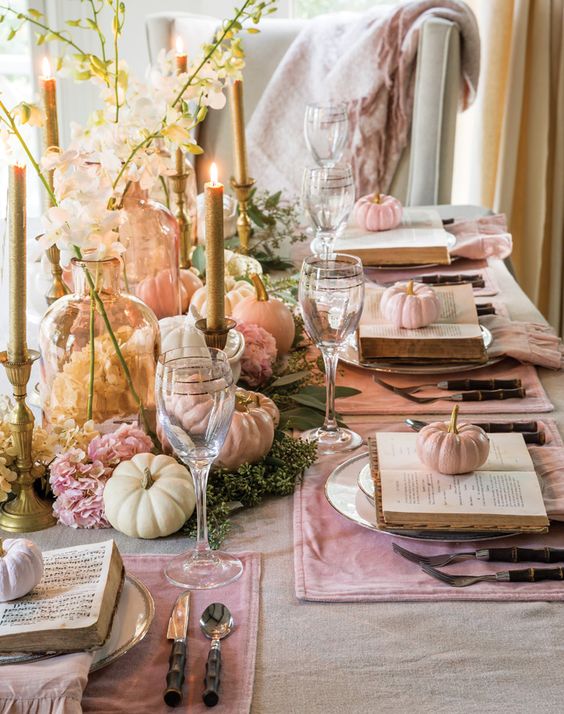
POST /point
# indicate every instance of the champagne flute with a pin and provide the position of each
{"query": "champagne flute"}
(328, 198)
(195, 404)
(331, 296)
(326, 128)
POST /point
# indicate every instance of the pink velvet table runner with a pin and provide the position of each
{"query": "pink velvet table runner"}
(374, 399)
(337, 560)
(136, 681)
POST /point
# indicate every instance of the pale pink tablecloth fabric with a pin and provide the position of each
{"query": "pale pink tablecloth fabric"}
(135, 683)
(374, 399)
(337, 560)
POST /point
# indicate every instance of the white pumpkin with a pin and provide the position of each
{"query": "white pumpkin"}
(240, 290)
(21, 568)
(149, 496)
(410, 305)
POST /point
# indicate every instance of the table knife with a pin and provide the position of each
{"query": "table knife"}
(177, 631)
(492, 427)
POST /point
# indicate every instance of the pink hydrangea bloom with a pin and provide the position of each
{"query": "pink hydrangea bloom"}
(259, 355)
(120, 445)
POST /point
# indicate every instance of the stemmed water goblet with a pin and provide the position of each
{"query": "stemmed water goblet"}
(195, 403)
(328, 199)
(331, 296)
(326, 128)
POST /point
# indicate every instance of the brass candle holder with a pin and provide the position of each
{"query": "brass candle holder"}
(216, 338)
(244, 228)
(58, 288)
(27, 512)
(179, 181)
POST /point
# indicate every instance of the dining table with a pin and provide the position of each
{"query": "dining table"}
(388, 656)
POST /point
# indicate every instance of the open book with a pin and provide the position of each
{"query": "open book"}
(71, 608)
(503, 495)
(455, 337)
(420, 238)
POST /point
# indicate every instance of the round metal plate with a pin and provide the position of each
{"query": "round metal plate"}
(343, 493)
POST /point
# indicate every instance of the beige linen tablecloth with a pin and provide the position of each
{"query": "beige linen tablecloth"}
(317, 658)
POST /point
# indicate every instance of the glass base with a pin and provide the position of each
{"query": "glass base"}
(318, 247)
(329, 442)
(203, 570)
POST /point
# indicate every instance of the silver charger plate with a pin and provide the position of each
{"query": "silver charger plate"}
(344, 495)
(349, 355)
(134, 615)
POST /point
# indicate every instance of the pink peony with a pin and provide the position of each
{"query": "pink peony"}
(259, 354)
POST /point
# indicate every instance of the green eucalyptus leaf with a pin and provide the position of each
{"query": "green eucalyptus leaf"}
(199, 259)
(309, 401)
(287, 379)
(273, 200)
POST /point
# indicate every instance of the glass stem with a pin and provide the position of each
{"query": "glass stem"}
(327, 238)
(330, 359)
(200, 476)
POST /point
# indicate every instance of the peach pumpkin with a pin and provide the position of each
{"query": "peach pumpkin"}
(269, 313)
(378, 212)
(161, 293)
(189, 283)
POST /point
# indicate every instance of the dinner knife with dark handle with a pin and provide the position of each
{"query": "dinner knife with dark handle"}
(454, 384)
(484, 395)
(177, 631)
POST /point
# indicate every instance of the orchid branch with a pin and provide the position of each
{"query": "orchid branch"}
(34, 21)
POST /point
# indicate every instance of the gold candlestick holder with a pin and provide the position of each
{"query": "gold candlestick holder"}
(58, 288)
(216, 337)
(27, 512)
(244, 228)
(179, 182)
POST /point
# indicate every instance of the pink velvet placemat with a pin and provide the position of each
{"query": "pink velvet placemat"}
(337, 560)
(136, 681)
(374, 399)
(463, 266)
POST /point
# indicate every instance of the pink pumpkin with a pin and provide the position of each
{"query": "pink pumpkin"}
(377, 212)
(410, 305)
(161, 293)
(269, 313)
(452, 448)
(189, 283)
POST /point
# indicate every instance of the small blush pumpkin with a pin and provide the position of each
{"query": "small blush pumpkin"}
(410, 306)
(161, 292)
(21, 568)
(189, 283)
(378, 212)
(149, 496)
(240, 290)
(452, 448)
(269, 313)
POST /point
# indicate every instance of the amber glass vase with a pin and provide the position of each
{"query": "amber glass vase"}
(76, 369)
(151, 238)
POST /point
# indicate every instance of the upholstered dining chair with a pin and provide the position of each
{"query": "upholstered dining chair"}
(424, 174)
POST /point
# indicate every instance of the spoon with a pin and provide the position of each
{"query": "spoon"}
(216, 623)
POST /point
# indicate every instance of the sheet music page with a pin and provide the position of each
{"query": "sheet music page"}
(458, 317)
(69, 594)
(506, 484)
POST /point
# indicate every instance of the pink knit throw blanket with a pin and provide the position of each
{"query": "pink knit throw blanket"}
(367, 60)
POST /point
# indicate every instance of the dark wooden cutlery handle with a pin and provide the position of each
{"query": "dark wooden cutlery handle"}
(213, 669)
(522, 555)
(534, 575)
(485, 310)
(507, 427)
(175, 674)
(452, 278)
(453, 384)
(535, 437)
(484, 395)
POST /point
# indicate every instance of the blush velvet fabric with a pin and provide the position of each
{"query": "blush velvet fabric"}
(337, 560)
(482, 238)
(368, 61)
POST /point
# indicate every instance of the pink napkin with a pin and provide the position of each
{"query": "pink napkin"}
(485, 237)
(136, 681)
(337, 560)
(374, 399)
(529, 342)
(549, 465)
(51, 686)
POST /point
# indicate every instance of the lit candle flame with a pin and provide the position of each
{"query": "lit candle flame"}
(46, 68)
(213, 173)
(179, 45)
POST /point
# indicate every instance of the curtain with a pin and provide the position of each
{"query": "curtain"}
(518, 138)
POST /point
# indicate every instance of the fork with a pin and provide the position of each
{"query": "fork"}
(472, 396)
(527, 575)
(506, 555)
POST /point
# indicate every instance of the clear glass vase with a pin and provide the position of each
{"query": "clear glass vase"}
(71, 361)
(151, 259)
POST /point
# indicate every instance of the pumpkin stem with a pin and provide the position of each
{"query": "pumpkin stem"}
(241, 402)
(262, 295)
(409, 289)
(2, 551)
(377, 198)
(452, 428)
(148, 479)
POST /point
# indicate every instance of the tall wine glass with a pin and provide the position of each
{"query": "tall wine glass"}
(331, 297)
(195, 403)
(326, 128)
(328, 198)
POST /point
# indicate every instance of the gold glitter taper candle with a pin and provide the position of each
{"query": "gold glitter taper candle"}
(17, 350)
(238, 125)
(215, 262)
(181, 56)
